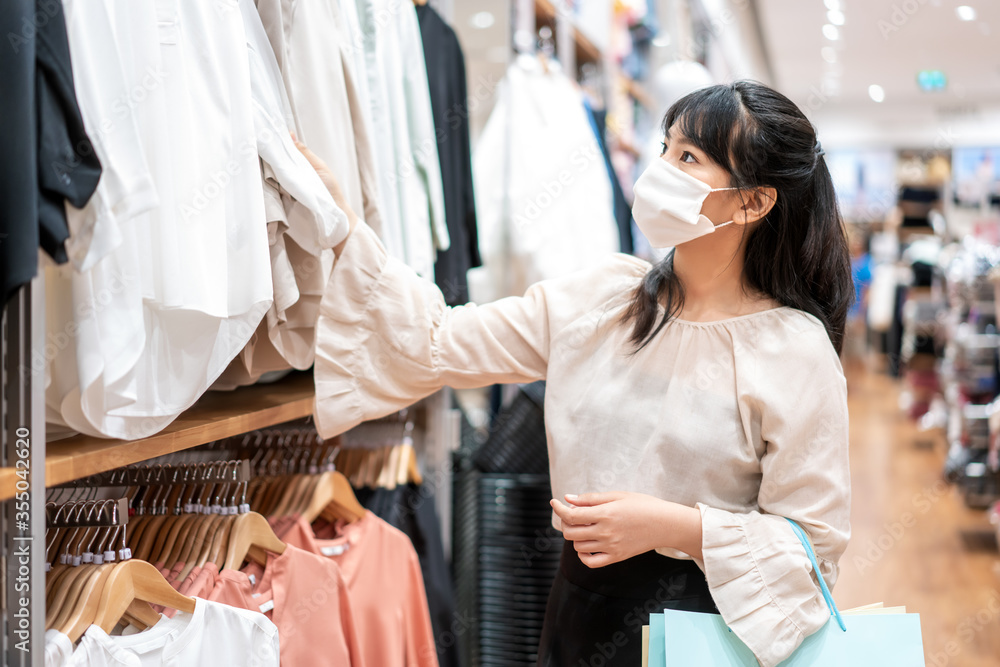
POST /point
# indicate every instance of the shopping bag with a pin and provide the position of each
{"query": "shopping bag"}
(657, 652)
(693, 639)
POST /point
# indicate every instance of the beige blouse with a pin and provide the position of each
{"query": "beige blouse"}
(745, 418)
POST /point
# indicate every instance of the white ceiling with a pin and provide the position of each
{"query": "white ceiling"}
(880, 43)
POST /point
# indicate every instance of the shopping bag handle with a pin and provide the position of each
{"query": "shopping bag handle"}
(801, 534)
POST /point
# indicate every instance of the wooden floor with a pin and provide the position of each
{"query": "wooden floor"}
(914, 542)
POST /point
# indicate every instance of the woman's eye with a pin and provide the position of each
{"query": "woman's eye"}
(663, 149)
(685, 155)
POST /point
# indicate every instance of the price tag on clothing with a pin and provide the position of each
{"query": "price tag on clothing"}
(334, 550)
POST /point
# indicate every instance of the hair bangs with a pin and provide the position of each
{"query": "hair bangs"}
(708, 118)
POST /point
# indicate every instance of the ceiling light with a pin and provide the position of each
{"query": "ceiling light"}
(830, 32)
(876, 92)
(836, 17)
(832, 4)
(965, 13)
(829, 54)
(482, 20)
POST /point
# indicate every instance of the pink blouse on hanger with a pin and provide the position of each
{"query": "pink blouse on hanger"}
(385, 584)
(306, 597)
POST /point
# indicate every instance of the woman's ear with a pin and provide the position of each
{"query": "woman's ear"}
(756, 204)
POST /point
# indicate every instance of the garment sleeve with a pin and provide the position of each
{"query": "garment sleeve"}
(385, 338)
(757, 570)
(265, 645)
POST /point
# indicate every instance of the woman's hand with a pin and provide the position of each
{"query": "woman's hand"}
(607, 528)
(332, 185)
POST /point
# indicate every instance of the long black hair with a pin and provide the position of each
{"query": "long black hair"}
(798, 253)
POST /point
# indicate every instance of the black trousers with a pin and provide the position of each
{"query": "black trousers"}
(594, 617)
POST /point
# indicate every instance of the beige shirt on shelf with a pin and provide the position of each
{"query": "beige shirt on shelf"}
(745, 418)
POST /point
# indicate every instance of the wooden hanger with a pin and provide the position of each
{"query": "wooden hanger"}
(419, 3)
(251, 530)
(136, 580)
(144, 545)
(74, 621)
(220, 544)
(66, 593)
(334, 495)
(176, 540)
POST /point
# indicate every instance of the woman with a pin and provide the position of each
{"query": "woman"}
(690, 406)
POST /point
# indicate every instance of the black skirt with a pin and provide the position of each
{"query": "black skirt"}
(594, 617)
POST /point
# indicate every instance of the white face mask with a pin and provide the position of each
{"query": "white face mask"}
(667, 207)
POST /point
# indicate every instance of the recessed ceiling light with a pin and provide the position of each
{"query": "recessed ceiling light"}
(829, 54)
(830, 32)
(836, 17)
(832, 4)
(876, 92)
(482, 20)
(965, 13)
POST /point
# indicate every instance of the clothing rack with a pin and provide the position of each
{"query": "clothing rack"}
(110, 513)
(182, 473)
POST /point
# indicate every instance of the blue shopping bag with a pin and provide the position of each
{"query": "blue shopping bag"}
(696, 640)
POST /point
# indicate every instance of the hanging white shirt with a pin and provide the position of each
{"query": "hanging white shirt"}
(58, 649)
(105, 96)
(191, 280)
(306, 40)
(214, 634)
(539, 153)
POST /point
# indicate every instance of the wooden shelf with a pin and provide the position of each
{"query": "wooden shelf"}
(8, 477)
(586, 52)
(217, 415)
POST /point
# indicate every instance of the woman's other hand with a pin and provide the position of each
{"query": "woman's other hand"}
(608, 528)
(332, 185)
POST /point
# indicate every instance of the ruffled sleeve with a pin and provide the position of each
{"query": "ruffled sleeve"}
(757, 570)
(385, 337)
